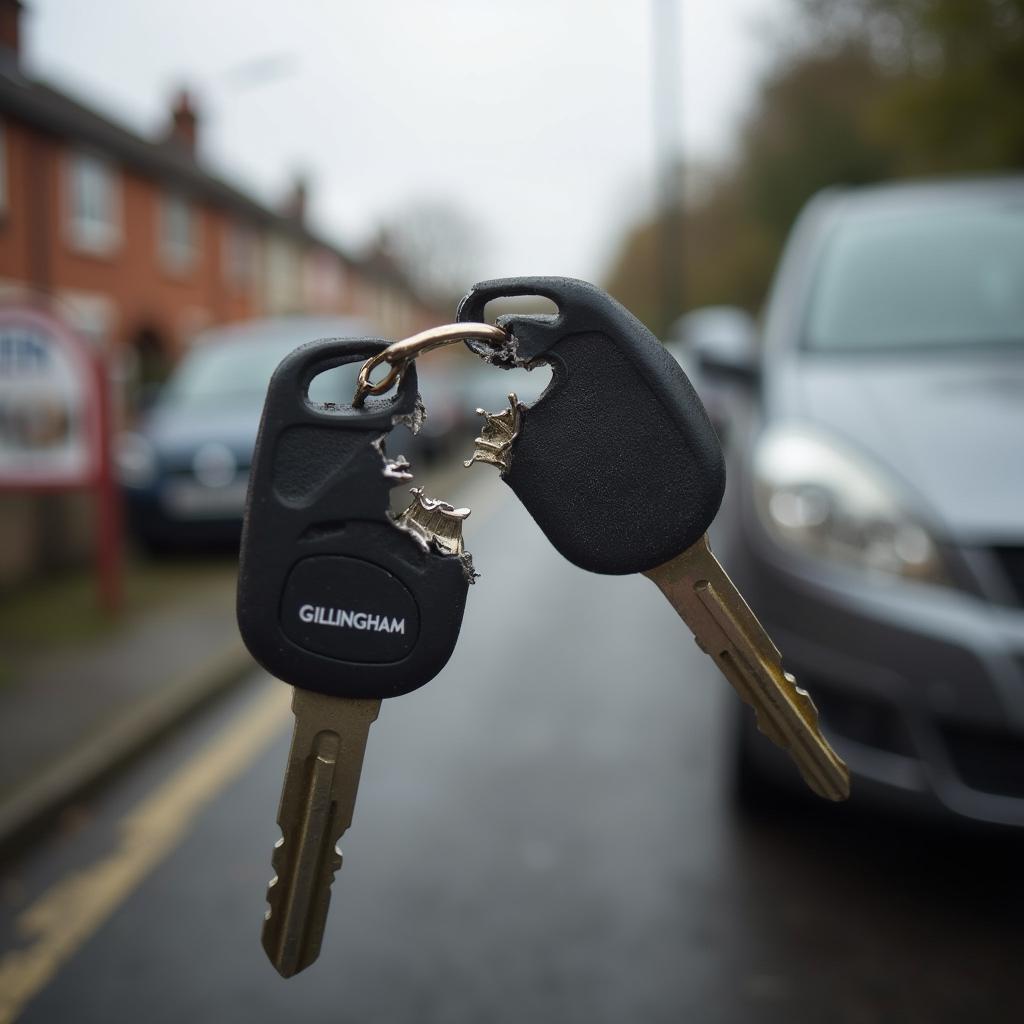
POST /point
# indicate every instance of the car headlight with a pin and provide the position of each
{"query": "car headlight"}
(817, 496)
(135, 460)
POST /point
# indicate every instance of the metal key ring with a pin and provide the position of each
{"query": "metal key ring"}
(401, 353)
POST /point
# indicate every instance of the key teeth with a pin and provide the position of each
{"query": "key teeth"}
(284, 965)
(837, 793)
(727, 630)
(807, 707)
(839, 775)
(316, 808)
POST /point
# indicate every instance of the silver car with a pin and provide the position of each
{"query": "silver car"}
(875, 519)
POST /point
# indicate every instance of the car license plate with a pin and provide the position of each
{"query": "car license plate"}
(188, 499)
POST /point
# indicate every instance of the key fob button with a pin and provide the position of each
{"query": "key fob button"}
(349, 609)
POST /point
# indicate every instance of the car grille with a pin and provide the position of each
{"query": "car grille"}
(990, 762)
(873, 723)
(1011, 561)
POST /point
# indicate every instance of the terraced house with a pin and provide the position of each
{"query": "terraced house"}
(141, 246)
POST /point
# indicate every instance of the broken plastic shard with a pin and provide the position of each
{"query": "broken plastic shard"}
(415, 419)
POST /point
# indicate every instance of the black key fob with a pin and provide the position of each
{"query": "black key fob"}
(334, 594)
(617, 461)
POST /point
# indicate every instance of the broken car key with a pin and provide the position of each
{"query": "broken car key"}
(343, 601)
(619, 465)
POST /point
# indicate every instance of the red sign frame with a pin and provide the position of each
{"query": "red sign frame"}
(98, 475)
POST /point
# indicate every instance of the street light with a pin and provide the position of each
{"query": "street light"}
(668, 158)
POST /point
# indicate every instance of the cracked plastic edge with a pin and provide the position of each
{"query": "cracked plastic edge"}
(399, 469)
(413, 420)
(506, 356)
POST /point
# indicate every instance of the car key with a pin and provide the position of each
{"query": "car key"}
(620, 467)
(343, 601)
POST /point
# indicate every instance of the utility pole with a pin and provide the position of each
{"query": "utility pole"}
(668, 159)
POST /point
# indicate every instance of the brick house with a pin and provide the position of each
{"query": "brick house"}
(142, 247)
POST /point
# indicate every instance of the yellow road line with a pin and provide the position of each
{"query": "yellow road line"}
(64, 917)
(72, 910)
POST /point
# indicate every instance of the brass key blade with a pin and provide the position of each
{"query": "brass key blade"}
(319, 796)
(725, 628)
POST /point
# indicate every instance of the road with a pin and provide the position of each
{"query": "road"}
(542, 834)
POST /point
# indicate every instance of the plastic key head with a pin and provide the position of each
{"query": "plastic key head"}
(617, 461)
(335, 594)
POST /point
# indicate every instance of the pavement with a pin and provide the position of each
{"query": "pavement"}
(543, 833)
(72, 715)
(75, 712)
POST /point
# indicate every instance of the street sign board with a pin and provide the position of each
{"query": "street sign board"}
(55, 425)
(50, 406)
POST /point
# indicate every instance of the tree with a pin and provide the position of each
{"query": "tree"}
(955, 96)
(867, 90)
(435, 245)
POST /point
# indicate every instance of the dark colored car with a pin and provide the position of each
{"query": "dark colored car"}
(185, 470)
(875, 519)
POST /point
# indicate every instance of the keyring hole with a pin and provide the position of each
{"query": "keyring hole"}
(519, 305)
(334, 387)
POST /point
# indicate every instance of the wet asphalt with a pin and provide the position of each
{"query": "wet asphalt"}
(545, 833)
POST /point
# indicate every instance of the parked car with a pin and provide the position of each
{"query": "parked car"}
(726, 334)
(875, 519)
(184, 471)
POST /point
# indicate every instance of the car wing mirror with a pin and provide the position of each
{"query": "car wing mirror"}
(722, 340)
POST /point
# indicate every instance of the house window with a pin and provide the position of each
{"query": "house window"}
(95, 224)
(240, 256)
(178, 242)
(92, 315)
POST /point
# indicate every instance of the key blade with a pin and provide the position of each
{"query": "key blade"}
(727, 630)
(317, 802)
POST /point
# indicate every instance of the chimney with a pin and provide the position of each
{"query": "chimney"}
(295, 204)
(184, 120)
(10, 26)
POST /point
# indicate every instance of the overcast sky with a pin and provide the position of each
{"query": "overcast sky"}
(535, 117)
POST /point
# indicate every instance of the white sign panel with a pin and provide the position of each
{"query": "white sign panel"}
(49, 409)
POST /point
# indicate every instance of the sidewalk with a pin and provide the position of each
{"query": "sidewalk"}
(80, 693)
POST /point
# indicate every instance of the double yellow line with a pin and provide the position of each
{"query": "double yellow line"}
(69, 912)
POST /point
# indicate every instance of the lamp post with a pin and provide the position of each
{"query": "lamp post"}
(668, 159)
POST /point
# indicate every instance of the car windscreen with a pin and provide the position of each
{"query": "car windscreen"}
(235, 374)
(938, 278)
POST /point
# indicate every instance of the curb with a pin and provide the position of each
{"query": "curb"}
(95, 758)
